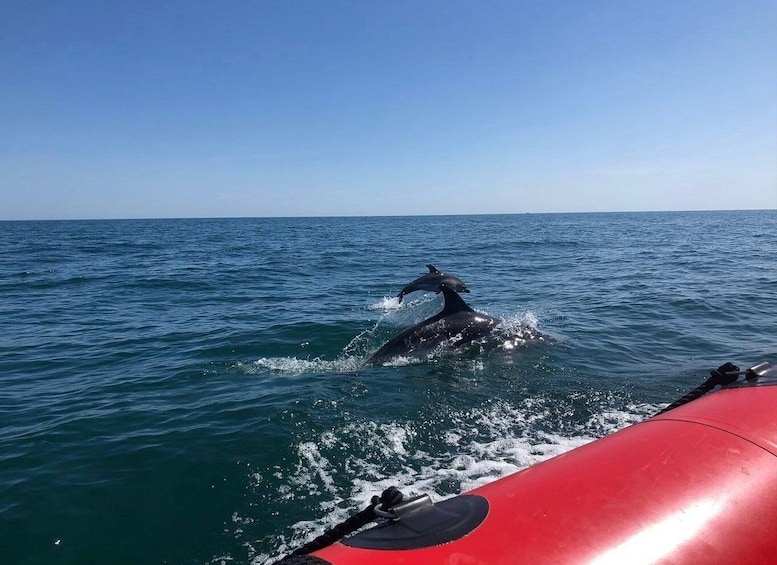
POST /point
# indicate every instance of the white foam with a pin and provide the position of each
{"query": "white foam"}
(295, 366)
(609, 421)
(311, 466)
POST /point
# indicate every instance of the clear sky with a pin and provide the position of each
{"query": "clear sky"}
(324, 107)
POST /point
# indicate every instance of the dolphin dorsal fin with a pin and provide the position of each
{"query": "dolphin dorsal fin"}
(453, 302)
(433, 269)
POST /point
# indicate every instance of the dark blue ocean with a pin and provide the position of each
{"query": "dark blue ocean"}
(196, 392)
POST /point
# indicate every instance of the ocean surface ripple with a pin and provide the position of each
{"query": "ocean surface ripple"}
(195, 391)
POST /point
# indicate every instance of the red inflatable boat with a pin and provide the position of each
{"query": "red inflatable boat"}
(696, 484)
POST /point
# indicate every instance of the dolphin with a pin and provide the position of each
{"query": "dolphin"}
(456, 324)
(432, 281)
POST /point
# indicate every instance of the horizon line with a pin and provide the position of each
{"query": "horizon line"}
(343, 216)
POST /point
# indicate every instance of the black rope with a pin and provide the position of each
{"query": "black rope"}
(388, 499)
(723, 375)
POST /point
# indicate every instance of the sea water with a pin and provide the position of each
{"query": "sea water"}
(195, 391)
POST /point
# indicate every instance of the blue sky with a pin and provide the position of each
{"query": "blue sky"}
(304, 108)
